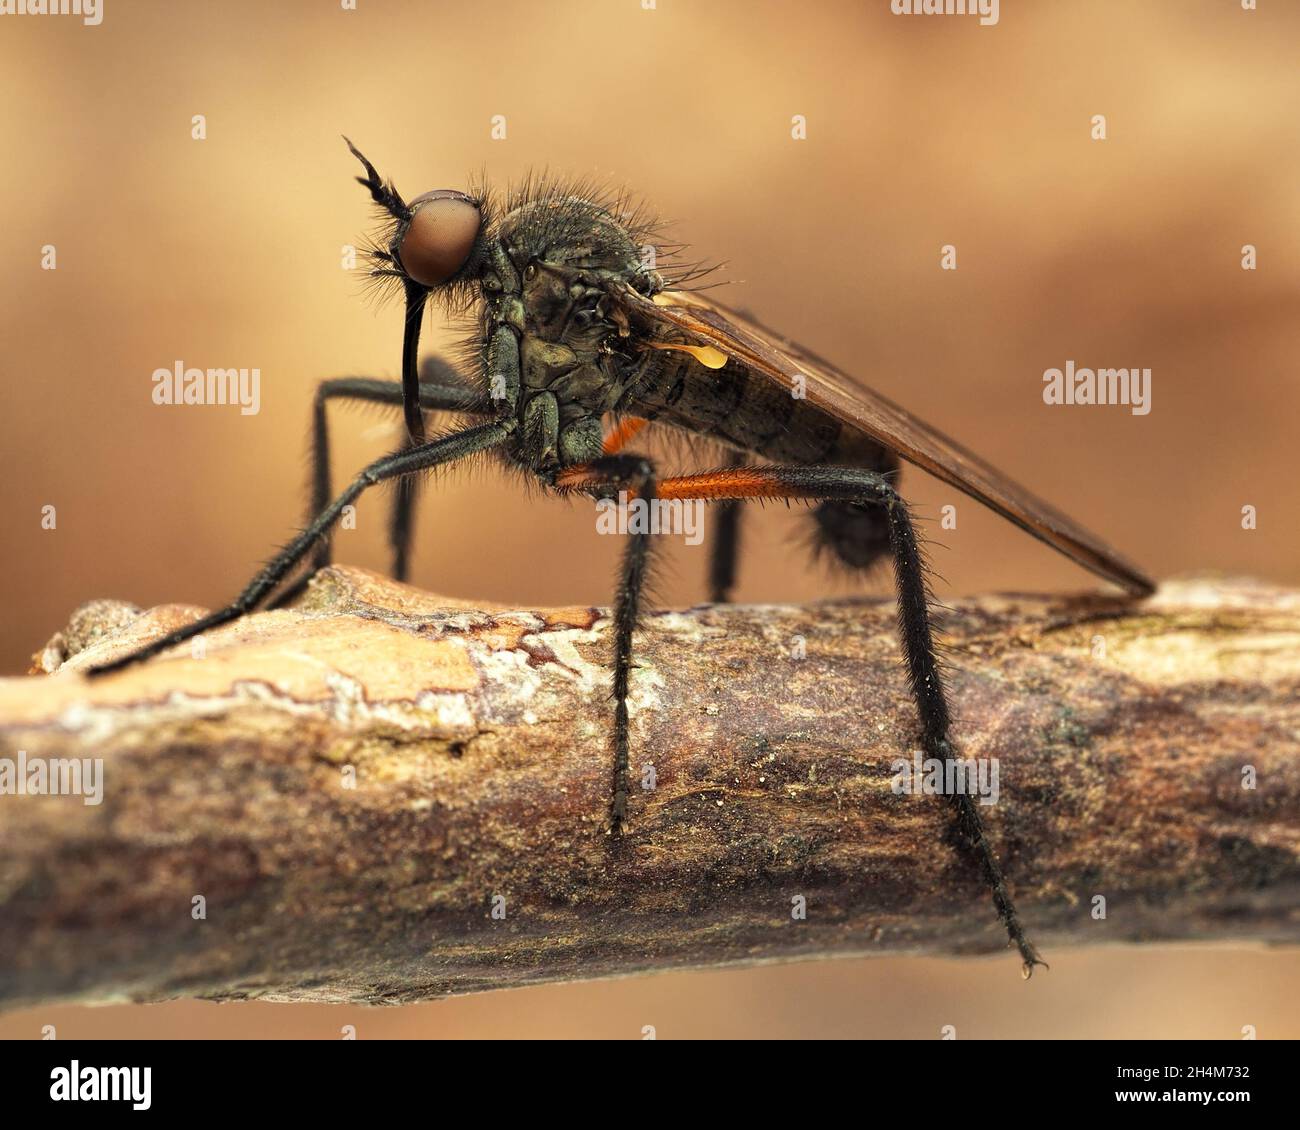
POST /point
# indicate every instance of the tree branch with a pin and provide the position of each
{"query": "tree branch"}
(345, 789)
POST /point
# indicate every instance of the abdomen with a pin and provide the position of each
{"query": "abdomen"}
(751, 413)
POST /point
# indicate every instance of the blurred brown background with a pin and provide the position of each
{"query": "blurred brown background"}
(922, 131)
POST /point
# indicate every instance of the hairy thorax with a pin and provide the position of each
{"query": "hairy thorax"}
(574, 364)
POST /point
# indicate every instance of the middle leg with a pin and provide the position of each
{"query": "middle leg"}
(725, 546)
(605, 478)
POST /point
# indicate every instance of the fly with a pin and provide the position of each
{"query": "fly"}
(578, 346)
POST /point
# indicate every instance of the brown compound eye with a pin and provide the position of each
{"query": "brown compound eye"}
(438, 240)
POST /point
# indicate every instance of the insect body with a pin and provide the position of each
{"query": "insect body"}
(574, 331)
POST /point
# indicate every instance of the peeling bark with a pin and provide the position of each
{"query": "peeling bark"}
(349, 786)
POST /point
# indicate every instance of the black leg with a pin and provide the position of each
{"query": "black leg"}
(401, 524)
(604, 478)
(868, 488)
(409, 461)
(725, 546)
(441, 389)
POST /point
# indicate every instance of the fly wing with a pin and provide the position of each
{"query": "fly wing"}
(855, 406)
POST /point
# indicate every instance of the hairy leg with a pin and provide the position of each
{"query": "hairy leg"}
(604, 478)
(440, 389)
(869, 488)
(409, 461)
(726, 543)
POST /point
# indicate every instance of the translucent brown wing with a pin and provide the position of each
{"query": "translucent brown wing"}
(858, 407)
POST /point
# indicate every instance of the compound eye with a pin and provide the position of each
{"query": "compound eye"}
(438, 240)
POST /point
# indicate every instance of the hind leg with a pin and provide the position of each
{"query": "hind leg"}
(872, 490)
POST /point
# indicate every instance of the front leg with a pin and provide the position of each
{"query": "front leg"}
(441, 389)
(407, 462)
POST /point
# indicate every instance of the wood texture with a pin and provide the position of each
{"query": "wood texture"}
(351, 786)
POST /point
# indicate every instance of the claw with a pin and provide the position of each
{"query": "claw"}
(1031, 959)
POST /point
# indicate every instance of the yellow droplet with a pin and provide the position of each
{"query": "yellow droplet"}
(705, 354)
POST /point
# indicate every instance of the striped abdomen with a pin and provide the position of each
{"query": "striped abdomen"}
(752, 413)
